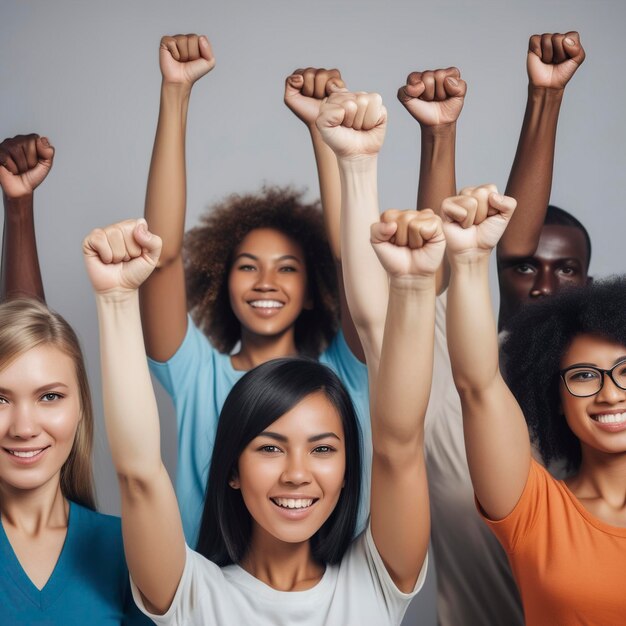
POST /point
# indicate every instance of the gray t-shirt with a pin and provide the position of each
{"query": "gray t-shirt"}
(358, 591)
(475, 586)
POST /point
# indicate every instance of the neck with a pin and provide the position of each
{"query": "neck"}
(257, 349)
(281, 565)
(601, 475)
(32, 511)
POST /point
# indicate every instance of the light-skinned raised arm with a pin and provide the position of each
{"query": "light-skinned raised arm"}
(435, 99)
(118, 259)
(353, 125)
(552, 60)
(304, 91)
(400, 512)
(496, 435)
(183, 60)
(25, 161)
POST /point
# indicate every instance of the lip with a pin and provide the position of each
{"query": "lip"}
(611, 427)
(266, 311)
(294, 514)
(29, 460)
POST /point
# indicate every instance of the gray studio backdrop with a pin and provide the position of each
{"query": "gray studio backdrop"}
(86, 74)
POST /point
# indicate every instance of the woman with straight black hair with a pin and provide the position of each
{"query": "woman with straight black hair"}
(256, 401)
(284, 481)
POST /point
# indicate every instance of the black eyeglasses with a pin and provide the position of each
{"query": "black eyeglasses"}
(583, 381)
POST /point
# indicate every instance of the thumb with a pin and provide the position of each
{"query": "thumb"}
(205, 48)
(331, 115)
(45, 151)
(293, 85)
(381, 232)
(504, 205)
(573, 48)
(150, 243)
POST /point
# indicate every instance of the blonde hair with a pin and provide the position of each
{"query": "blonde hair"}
(27, 324)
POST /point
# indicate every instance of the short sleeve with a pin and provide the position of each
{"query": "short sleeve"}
(532, 505)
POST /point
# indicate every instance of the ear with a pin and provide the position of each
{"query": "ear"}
(589, 280)
(233, 482)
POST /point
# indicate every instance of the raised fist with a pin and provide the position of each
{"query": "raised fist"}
(353, 124)
(434, 97)
(474, 221)
(25, 161)
(185, 58)
(120, 257)
(409, 243)
(305, 90)
(553, 59)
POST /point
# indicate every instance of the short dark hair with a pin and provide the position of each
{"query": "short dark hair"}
(258, 399)
(209, 250)
(538, 338)
(559, 217)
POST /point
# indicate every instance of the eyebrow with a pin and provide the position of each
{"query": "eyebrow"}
(619, 359)
(45, 387)
(285, 257)
(312, 439)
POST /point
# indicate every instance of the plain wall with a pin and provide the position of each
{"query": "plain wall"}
(86, 75)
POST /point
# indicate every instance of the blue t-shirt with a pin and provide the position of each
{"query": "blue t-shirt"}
(89, 584)
(198, 378)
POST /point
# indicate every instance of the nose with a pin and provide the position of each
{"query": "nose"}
(264, 281)
(544, 285)
(610, 392)
(296, 470)
(23, 425)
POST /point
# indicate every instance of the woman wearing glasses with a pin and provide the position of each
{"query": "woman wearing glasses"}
(566, 367)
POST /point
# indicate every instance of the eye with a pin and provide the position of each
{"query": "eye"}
(51, 397)
(324, 450)
(3, 400)
(246, 267)
(583, 376)
(270, 449)
(288, 268)
(524, 268)
(568, 271)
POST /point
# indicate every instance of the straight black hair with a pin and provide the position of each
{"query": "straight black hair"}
(258, 399)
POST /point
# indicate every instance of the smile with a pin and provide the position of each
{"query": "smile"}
(293, 503)
(26, 456)
(610, 418)
(266, 304)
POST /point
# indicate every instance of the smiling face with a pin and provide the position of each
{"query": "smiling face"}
(560, 261)
(291, 475)
(599, 421)
(267, 283)
(39, 414)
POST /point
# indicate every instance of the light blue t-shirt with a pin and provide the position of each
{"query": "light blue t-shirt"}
(198, 378)
(89, 584)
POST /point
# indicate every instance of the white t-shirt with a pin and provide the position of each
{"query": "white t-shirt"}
(358, 591)
(475, 586)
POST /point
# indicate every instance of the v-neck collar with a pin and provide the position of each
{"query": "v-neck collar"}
(57, 582)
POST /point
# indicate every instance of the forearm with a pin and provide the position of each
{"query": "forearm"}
(330, 190)
(365, 280)
(530, 181)
(21, 275)
(471, 329)
(403, 384)
(166, 193)
(130, 409)
(437, 178)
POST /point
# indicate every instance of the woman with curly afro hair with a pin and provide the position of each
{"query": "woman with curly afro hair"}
(254, 281)
(566, 368)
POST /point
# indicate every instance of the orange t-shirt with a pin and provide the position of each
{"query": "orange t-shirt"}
(570, 567)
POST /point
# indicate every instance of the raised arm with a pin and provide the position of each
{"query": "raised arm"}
(435, 99)
(25, 161)
(552, 60)
(400, 513)
(496, 436)
(353, 125)
(183, 60)
(304, 91)
(118, 259)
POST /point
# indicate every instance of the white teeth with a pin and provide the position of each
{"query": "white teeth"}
(292, 503)
(613, 418)
(26, 454)
(267, 304)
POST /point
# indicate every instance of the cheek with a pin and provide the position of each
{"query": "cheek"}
(62, 425)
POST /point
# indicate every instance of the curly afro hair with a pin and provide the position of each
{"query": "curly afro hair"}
(209, 249)
(539, 337)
